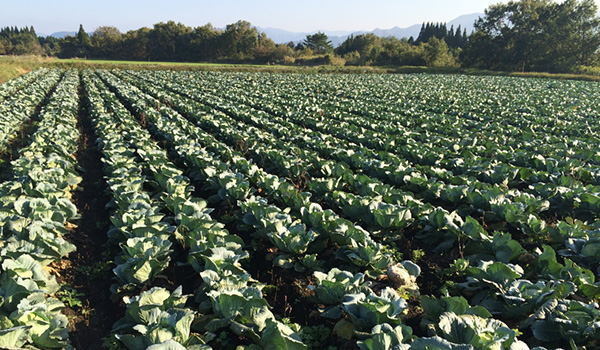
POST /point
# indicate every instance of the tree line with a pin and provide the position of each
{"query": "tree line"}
(240, 42)
(524, 35)
(19, 41)
(435, 46)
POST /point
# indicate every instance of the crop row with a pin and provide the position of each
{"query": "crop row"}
(20, 106)
(522, 210)
(226, 295)
(579, 201)
(37, 214)
(207, 112)
(274, 211)
(12, 86)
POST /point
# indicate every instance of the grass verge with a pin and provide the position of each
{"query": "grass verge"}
(13, 66)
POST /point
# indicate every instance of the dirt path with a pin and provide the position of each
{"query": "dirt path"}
(88, 271)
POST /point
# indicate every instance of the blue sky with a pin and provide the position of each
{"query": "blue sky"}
(301, 16)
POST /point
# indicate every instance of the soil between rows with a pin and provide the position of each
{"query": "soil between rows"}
(88, 270)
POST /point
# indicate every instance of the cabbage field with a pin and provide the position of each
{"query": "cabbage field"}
(170, 210)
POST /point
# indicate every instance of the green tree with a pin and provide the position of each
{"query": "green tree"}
(106, 42)
(27, 44)
(82, 37)
(364, 48)
(168, 41)
(203, 43)
(135, 44)
(265, 49)
(578, 32)
(319, 43)
(68, 47)
(433, 30)
(23, 41)
(437, 53)
(50, 45)
(83, 43)
(534, 35)
(239, 40)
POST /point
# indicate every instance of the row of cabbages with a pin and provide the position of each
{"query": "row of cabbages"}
(11, 87)
(20, 105)
(375, 316)
(159, 224)
(477, 186)
(221, 184)
(35, 208)
(446, 228)
(242, 177)
(227, 296)
(141, 230)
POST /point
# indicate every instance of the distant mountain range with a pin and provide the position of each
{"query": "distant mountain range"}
(337, 37)
(280, 36)
(60, 35)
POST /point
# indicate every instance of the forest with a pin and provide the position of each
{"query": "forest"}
(525, 35)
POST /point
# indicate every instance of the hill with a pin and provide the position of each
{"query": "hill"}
(337, 37)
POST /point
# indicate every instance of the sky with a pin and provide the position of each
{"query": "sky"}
(49, 16)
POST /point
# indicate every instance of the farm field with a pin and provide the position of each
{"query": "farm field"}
(197, 210)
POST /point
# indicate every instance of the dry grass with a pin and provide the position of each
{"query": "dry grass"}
(13, 66)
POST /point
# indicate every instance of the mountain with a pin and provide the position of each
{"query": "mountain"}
(280, 36)
(399, 32)
(465, 21)
(61, 35)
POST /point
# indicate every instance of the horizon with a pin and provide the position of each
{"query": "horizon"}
(334, 32)
(310, 16)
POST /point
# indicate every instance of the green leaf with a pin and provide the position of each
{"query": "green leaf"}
(14, 337)
(545, 331)
(229, 305)
(455, 329)
(590, 201)
(344, 329)
(154, 297)
(167, 345)
(473, 229)
(278, 336)
(258, 311)
(437, 343)
(133, 342)
(183, 325)
(333, 286)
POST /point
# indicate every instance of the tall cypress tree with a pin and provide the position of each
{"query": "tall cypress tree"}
(84, 43)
